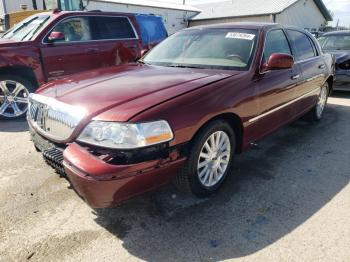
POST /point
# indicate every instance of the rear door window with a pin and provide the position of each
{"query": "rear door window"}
(276, 42)
(302, 44)
(109, 27)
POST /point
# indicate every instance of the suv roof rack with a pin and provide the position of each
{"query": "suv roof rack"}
(95, 11)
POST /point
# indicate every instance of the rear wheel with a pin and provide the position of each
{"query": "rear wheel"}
(14, 93)
(209, 160)
(317, 112)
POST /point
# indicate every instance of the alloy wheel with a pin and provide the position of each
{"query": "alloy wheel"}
(214, 159)
(322, 101)
(13, 99)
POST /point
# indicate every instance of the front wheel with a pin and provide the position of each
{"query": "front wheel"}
(209, 160)
(14, 93)
(317, 111)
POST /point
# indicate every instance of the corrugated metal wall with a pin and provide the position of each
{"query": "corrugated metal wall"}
(173, 19)
(304, 14)
(231, 20)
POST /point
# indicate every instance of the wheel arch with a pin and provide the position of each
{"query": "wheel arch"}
(22, 71)
(330, 83)
(234, 121)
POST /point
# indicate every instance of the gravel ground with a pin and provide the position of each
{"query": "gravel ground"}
(288, 199)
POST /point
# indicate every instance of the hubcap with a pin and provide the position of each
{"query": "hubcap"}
(13, 99)
(322, 100)
(214, 159)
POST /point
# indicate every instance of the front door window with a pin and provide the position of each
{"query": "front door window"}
(75, 29)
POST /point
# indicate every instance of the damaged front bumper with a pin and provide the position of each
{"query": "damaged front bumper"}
(105, 179)
(103, 185)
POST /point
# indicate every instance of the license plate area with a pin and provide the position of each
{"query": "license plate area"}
(40, 143)
(53, 155)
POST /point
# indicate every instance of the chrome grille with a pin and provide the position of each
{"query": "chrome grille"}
(53, 118)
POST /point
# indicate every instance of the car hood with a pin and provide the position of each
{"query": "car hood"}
(11, 43)
(6, 41)
(101, 90)
(340, 55)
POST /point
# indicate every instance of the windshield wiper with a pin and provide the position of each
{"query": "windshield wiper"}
(34, 30)
(140, 61)
(183, 66)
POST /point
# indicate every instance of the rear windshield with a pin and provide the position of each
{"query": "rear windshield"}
(27, 29)
(213, 48)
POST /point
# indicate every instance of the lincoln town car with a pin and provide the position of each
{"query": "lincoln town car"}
(182, 112)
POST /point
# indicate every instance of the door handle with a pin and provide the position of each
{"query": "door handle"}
(321, 66)
(295, 77)
(92, 50)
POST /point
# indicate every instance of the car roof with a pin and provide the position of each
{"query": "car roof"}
(251, 25)
(343, 32)
(243, 25)
(58, 13)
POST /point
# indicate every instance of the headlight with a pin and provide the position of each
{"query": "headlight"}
(126, 135)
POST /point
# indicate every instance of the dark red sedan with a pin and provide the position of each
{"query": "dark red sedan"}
(182, 112)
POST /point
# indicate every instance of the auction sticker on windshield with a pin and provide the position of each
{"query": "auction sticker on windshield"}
(238, 35)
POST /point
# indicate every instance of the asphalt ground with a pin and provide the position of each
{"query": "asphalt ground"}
(287, 199)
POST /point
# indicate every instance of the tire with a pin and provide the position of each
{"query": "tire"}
(188, 179)
(316, 113)
(14, 92)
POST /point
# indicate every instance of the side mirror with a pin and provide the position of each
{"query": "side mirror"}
(278, 61)
(144, 52)
(56, 36)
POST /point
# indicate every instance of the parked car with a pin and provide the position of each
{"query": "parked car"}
(316, 33)
(338, 44)
(182, 112)
(53, 45)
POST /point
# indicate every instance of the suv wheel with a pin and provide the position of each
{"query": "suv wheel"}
(14, 93)
(209, 160)
(317, 112)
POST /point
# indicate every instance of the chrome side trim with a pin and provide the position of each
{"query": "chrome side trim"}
(307, 59)
(283, 106)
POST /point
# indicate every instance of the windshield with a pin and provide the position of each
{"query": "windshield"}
(206, 48)
(27, 29)
(335, 42)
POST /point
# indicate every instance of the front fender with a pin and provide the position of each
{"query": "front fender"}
(12, 58)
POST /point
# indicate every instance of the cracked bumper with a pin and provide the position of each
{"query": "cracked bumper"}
(104, 185)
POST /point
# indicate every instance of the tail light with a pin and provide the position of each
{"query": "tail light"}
(345, 65)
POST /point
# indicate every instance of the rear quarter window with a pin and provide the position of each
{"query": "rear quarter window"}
(302, 44)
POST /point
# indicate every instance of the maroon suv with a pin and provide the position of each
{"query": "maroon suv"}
(182, 112)
(53, 45)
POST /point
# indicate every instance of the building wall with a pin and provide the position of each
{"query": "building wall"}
(15, 5)
(174, 20)
(304, 14)
(263, 18)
